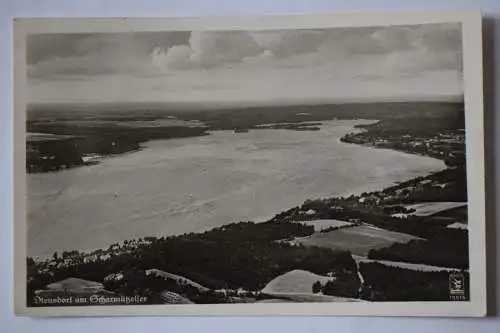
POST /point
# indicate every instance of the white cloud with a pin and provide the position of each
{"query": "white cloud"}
(424, 49)
(208, 50)
(273, 65)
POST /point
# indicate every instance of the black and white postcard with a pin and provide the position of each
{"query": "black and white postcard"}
(281, 165)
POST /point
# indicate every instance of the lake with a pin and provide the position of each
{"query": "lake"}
(193, 184)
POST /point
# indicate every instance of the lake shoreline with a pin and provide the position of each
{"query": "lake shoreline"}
(354, 191)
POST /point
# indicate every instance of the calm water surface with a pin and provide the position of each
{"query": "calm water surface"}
(194, 184)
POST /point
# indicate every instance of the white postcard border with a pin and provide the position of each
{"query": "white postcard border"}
(473, 95)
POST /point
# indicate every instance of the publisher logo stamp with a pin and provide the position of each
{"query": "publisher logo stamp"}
(457, 286)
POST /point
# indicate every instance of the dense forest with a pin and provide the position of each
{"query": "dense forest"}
(240, 255)
(446, 248)
(55, 154)
(384, 283)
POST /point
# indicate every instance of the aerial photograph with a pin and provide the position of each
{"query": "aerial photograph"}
(246, 166)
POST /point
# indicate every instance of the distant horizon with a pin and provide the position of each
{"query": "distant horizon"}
(250, 104)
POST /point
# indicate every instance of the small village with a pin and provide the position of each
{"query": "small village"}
(447, 145)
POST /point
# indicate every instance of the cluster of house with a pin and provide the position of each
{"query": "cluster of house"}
(74, 257)
(440, 146)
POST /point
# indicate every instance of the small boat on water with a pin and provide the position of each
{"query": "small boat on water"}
(240, 130)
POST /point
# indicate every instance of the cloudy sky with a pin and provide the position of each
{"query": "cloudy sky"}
(343, 64)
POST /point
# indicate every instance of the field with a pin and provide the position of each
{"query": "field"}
(457, 225)
(320, 225)
(431, 208)
(301, 286)
(358, 240)
(296, 281)
(406, 265)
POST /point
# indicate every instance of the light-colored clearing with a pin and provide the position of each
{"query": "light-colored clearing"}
(296, 281)
(325, 224)
(359, 240)
(431, 208)
(406, 265)
(76, 284)
(457, 225)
